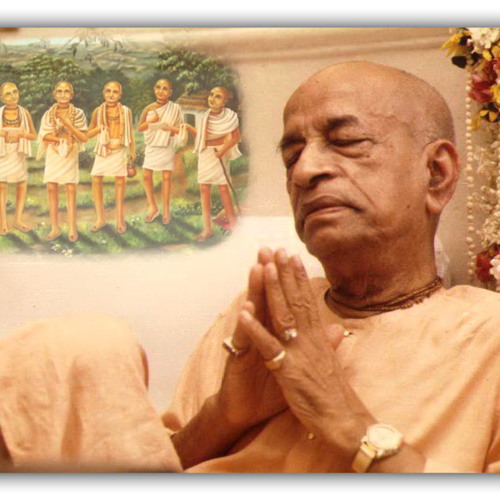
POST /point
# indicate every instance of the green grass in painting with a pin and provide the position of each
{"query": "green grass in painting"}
(185, 210)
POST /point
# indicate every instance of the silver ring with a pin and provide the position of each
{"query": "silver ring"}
(290, 334)
(276, 362)
(232, 349)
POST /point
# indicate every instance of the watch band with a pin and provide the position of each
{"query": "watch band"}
(364, 458)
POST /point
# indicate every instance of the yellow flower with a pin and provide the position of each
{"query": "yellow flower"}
(487, 55)
(496, 94)
(453, 45)
(490, 115)
(476, 122)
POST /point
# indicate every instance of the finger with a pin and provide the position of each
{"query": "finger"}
(286, 276)
(305, 308)
(240, 339)
(265, 256)
(282, 320)
(285, 271)
(268, 345)
(255, 293)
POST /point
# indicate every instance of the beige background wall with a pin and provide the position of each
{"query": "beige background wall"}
(171, 299)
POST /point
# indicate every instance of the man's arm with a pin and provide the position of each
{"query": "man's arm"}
(208, 435)
(132, 138)
(79, 134)
(235, 138)
(93, 128)
(144, 122)
(246, 396)
(310, 377)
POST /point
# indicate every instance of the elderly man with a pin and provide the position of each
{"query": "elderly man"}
(160, 122)
(16, 133)
(375, 368)
(112, 123)
(63, 132)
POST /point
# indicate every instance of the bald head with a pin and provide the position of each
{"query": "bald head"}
(387, 90)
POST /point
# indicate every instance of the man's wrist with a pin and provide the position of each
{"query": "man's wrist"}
(222, 414)
(380, 441)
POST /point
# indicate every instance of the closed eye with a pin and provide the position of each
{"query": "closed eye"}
(290, 157)
(348, 142)
(353, 147)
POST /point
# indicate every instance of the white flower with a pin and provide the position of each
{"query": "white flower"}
(484, 38)
(495, 267)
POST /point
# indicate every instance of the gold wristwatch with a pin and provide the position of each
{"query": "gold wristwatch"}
(381, 440)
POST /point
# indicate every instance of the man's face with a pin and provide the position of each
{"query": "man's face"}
(112, 93)
(352, 166)
(10, 94)
(163, 91)
(217, 99)
(63, 93)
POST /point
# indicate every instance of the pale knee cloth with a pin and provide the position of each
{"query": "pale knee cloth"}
(61, 169)
(159, 158)
(115, 164)
(13, 165)
(210, 169)
(73, 398)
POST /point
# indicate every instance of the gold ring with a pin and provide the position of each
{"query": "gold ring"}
(290, 334)
(276, 362)
(231, 349)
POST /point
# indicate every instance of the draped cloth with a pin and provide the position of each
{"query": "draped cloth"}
(61, 163)
(210, 169)
(73, 397)
(217, 126)
(169, 114)
(126, 132)
(160, 145)
(13, 155)
(112, 162)
(432, 371)
(50, 125)
(24, 145)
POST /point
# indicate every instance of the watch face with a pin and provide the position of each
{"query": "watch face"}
(383, 437)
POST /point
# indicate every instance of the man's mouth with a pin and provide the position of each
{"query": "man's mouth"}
(323, 205)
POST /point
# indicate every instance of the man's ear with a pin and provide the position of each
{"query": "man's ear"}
(443, 169)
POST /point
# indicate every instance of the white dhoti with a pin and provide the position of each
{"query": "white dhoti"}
(13, 165)
(115, 164)
(159, 158)
(210, 169)
(61, 169)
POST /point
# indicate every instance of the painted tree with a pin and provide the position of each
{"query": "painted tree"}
(195, 71)
(39, 75)
(8, 73)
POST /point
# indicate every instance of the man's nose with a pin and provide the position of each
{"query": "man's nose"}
(313, 165)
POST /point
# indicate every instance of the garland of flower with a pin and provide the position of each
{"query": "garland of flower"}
(478, 51)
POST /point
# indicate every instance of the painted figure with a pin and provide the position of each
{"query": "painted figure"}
(63, 132)
(160, 122)
(216, 145)
(112, 124)
(16, 133)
